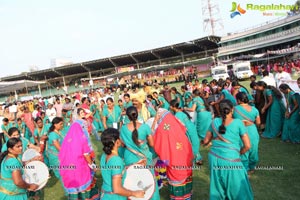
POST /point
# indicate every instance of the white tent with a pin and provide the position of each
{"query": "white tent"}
(12, 86)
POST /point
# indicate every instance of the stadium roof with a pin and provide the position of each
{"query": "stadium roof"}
(184, 48)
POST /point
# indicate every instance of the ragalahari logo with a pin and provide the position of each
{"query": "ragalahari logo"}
(236, 10)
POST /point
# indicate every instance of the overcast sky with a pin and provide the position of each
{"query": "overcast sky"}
(35, 31)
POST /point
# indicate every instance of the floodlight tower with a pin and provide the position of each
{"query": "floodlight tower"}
(212, 21)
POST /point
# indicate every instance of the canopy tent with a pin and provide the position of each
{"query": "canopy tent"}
(12, 86)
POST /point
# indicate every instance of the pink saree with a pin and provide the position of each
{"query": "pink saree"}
(74, 170)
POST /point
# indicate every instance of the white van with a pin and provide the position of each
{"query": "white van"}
(218, 72)
(242, 70)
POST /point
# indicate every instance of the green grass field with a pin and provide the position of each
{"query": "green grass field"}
(266, 183)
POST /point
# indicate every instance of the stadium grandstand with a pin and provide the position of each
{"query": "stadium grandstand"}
(196, 55)
(266, 43)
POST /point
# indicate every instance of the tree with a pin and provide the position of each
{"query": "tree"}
(296, 9)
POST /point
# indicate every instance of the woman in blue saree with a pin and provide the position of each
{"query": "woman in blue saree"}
(228, 177)
(291, 126)
(191, 130)
(12, 185)
(137, 139)
(274, 108)
(250, 116)
(113, 169)
(204, 116)
(239, 88)
(111, 115)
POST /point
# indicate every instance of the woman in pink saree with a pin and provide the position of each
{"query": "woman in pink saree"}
(76, 157)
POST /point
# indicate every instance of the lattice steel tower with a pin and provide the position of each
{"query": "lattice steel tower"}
(212, 21)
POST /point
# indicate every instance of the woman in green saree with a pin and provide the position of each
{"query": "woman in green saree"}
(291, 127)
(113, 169)
(228, 177)
(250, 117)
(274, 108)
(191, 132)
(137, 139)
(12, 185)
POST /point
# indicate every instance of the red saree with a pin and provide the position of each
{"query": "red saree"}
(172, 146)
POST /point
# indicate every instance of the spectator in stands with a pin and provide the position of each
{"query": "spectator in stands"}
(268, 79)
(281, 75)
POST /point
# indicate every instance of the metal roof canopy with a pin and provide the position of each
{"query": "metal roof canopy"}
(11, 86)
(194, 46)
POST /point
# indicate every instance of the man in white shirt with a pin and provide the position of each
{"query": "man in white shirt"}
(13, 109)
(281, 75)
(51, 112)
(268, 79)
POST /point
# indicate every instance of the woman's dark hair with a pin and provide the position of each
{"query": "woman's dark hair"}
(5, 120)
(204, 81)
(236, 83)
(132, 114)
(184, 87)
(222, 84)
(10, 144)
(276, 92)
(78, 110)
(150, 96)
(242, 97)
(225, 108)
(83, 99)
(284, 86)
(198, 94)
(175, 90)
(175, 104)
(56, 120)
(12, 130)
(19, 119)
(109, 99)
(253, 84)
(38, 119)
(126, 95)
(108, 139)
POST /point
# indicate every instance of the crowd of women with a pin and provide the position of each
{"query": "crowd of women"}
(220, 114)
